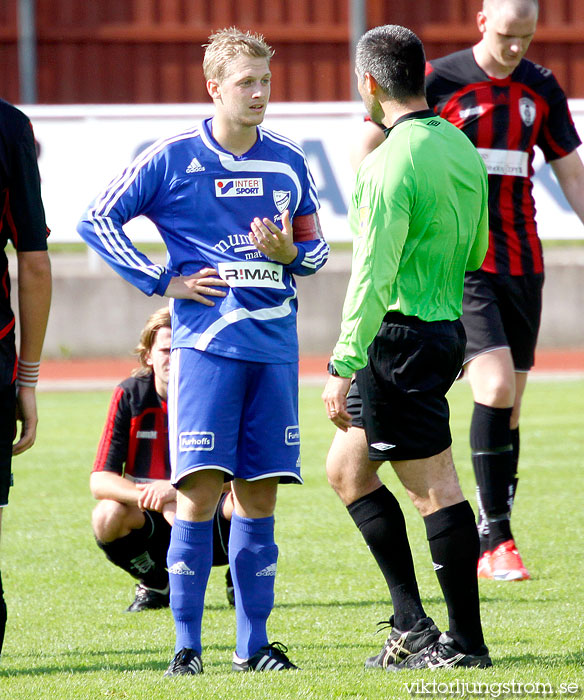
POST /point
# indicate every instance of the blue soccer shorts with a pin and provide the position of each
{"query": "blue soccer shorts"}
(232, 415)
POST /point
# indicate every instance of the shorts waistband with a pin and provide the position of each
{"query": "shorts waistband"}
(445, 329)
(396, 317)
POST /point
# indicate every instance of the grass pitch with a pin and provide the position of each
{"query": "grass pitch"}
(68, 638)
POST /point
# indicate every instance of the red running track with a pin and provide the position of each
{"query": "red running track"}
(116, 369)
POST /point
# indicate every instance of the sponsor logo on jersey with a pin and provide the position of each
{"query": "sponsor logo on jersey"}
(268, 571)
(527, 111)
(471, 112)
(147, 434)
(252, 274)
(195, 167)
(282, 200)
(437, 567)
(239, 187)
(382, 446)
(181, 569)
(292, 435)
(500, 161)
(238, 242)
(196, 441)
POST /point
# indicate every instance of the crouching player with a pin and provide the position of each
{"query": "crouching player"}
(131, 476)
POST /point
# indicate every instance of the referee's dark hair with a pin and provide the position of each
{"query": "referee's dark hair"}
(395, 57)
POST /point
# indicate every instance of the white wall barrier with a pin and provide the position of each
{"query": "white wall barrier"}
(83, 147)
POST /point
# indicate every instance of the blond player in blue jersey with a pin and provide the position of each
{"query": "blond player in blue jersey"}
(236, 206)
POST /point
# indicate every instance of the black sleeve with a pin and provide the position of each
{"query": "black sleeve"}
(112, 452)
(559, 137)
(29, 230)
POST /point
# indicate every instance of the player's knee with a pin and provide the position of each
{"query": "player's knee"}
(108, 520)
(336, 471)
(497, 391)
(439, 489)
(442, 497)
(351, 476)
(258, 499)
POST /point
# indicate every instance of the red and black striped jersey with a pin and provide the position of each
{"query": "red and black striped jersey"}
(506, 119)
(22, 216)
(134, 442)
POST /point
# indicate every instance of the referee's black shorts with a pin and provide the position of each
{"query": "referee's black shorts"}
(502, 311)
(401, 394)
(7, 427)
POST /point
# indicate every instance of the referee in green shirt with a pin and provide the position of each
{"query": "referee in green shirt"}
(419, 218)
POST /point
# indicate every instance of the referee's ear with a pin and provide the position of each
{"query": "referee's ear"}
(371, 85)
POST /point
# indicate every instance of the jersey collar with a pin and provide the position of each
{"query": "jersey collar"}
(420, 114)
(211, 143)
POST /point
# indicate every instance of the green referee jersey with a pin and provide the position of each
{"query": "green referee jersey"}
(419, 219)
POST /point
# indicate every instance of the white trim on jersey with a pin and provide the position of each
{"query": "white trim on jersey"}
(172, 410)
(103, 225)
(126, 255)
(118, 186)
(229, 162)
(266, 314)
(314, 258)
(284, 141)
(281, 139)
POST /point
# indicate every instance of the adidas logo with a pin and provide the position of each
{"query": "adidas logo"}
(195, 167)
(181, 569)
(268, 571)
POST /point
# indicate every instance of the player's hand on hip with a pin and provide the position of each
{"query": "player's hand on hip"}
(197, 287)
(335, 401)
(276, 244)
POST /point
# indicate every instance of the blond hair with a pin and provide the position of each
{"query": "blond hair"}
(227, 44)
(159, 319)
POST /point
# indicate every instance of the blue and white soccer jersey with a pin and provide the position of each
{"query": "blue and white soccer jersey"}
(202, 200)
(232, 415)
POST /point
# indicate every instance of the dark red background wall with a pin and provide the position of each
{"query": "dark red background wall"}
(148, 51)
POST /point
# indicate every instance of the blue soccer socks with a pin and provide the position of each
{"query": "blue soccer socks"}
(190, 556)
(252, 559)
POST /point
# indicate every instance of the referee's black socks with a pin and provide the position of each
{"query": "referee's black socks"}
(380, 519)
(494, 457)
(454, 546)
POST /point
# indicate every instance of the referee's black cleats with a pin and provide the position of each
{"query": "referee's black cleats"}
(400, 646)
(443, 654)
(271, 657)
(149, 599)
(186, 662)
